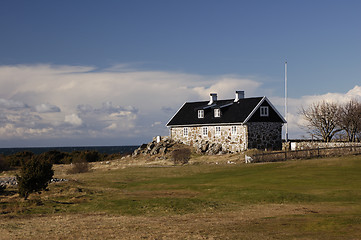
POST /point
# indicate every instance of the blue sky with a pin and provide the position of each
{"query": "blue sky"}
(114, 72)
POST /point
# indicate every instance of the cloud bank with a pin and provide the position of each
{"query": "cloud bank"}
(39, 103)
(295, 121)
(43, 105)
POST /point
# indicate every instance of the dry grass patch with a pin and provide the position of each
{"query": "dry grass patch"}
(161, 194)
(272, 221)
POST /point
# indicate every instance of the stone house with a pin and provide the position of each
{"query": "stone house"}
(234, 124)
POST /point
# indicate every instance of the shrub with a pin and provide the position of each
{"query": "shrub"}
(15, 159)
(35, 175)
(79, 166)
(4, 164)
(91, 156)
(88, 156)
(181, 156)
(2, 188)
(54, 156)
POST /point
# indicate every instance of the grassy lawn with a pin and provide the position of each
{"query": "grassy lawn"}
(310, 199)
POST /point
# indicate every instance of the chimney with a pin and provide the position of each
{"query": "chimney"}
(213, 98)
(239, 95)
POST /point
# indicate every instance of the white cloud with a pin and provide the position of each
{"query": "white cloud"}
(46, 108)
(227, 86)
(11, 104)
(112, 126)
(10, 131)
(73, 119)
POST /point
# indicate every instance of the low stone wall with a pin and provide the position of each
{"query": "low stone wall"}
(314, 144)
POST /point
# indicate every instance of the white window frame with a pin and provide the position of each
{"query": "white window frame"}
(264, 111)
(185, 132)
(217, 131)
(200, 113)
(204, 131)
(233, 130)
(217, 112)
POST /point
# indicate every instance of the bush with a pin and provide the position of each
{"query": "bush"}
(54, 156)
(79, 166)
(15, 159)
(181, 156)
(2, 188)
(35, 175)
(90, 156)
(4, 164)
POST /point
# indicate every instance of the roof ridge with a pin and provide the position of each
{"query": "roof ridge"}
(230, 99)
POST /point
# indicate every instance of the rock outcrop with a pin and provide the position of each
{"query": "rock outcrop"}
(164, 145)
(12, 181)
(206, 147)
(155, 147)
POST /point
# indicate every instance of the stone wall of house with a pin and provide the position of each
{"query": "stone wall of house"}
(265, 135)
(227, 141)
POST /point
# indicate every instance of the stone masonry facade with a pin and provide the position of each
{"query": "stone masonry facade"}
(232, 138)
(265, 135)
(235, 142)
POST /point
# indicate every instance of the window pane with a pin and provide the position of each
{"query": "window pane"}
(264, 111)
(234, 130)
(217, 112)
(205, 131)
(218, 131)
(185, 131)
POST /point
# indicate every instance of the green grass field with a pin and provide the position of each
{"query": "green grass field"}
(309, 199)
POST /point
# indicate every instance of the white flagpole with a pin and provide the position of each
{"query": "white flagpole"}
(286, 110)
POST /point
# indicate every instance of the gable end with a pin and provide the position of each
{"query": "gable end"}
(258, 116)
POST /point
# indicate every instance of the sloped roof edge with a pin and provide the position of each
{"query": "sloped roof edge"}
(175, 114)
(259, 104)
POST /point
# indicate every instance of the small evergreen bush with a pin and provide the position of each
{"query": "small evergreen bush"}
(35, 175)
(90, 156)
(181, 156)
(2, 188)
(4, 164)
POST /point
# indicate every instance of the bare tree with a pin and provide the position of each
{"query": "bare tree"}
(322, 119)
(350, 119)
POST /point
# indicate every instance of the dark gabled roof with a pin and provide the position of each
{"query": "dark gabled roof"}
(231, 112)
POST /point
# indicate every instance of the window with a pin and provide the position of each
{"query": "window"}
(217, 112)
(185, 132)
(234, 130)
(218, 131)
(264, 111)
(205, 131)
(200, 113)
